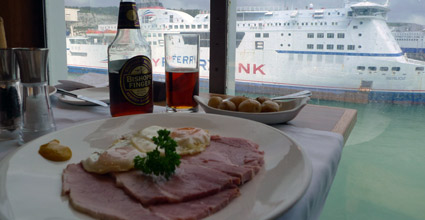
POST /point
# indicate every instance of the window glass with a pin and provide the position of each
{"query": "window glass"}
(95, 21)
(387, 138)
(310, 35)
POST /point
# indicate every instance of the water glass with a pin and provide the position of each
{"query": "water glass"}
(181, 72)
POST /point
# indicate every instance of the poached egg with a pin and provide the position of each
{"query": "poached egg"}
(119, 157)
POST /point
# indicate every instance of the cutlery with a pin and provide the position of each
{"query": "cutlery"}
(87, 99)
(302, 94)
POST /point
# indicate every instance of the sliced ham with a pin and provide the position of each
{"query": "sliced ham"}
(97, 196)
(196, 209)
(234, 156)
(202, 184)
(189, 182)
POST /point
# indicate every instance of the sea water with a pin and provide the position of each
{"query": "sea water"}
(381, 174)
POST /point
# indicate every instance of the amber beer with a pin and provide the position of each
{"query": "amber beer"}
(181, 71)
(181, 86)
(129, 66)
(120, 104)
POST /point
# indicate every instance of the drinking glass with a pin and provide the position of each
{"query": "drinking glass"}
(181, 72)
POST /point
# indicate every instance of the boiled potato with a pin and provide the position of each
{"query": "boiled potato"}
(55, 151)
(269, 106)
(250, 105)
(215, 101)
(262, 99)
(238, 100)
(227, 105)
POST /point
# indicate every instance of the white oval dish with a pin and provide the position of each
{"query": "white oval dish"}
(28, 178)
(263, 117)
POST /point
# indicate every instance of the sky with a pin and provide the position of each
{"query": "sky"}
(409, 11)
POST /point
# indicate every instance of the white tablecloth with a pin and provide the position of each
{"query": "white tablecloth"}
(322, 148)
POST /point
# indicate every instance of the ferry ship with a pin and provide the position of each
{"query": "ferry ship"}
(344, 53)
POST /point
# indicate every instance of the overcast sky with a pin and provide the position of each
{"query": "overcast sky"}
(412, 11)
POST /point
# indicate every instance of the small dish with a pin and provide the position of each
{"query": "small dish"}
(101, 94)
(51, 90)
(291, 109)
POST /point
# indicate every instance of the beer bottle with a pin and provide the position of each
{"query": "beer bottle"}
(129, 66)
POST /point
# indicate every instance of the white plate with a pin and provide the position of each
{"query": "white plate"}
(101, 94)
(30, 187)
(263, 117)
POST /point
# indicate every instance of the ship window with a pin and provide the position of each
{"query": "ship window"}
(341, 35)
(383, 68)
(161, 42)
(193, 26)
(320, 35)
(310, 35)
(310, 46)
(330, 35)
(420, 68)
(150, 43)
(395, 69)
(361, 68)
(205, 26)
(199, 26)
(340, 47)
(351, 47)
(289, 45)
(149, 35)
(259, 45)
(372, 68)
(170, 27)
(281, 34)
(187, 26)
(154, 35)
(360, 46)
(181, 26)
(289, 34)
(281, 45)
(360, 34)
(176, 27)
(155, 43)
(361, 22)
(319, 46)
(265, 35)
(330, 46)
(257, 35)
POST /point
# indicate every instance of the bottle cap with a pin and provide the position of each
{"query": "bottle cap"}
(32, 64)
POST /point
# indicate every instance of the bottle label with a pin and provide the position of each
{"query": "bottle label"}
(136, 80)
(127, 17)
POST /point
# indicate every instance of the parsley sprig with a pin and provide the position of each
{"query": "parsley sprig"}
(156, 163)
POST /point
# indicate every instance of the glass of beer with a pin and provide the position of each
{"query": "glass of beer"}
(181, 72)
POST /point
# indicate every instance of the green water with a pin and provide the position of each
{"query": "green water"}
(382, 169)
